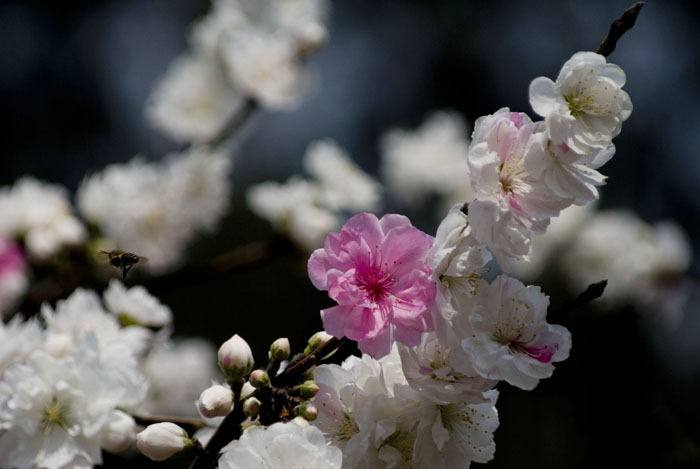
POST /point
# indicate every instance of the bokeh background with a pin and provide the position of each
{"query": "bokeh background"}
(74, 78)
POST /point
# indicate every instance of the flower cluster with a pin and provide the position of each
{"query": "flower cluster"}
(430, 400)
(155, 209)
(240, 50)
(307, 210)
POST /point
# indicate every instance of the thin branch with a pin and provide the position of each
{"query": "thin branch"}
(619, 27)
(594, 290)
(248, 107)
(184, 421)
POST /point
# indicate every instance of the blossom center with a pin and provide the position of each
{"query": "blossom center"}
(402, 441)
(375, 282)
(579, 103)
(455, 415)
(347, 428)
(56, 413)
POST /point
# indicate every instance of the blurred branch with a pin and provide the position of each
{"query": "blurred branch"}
(246, 110)
(594, 290)
(619, 27)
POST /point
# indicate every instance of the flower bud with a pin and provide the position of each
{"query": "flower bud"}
(280, 349)
(119, 433)
(317, 340)
(313, 37)
(161, 441)
(308, 389)
(216, 401)
(235, 358)
(300, 421)
(259, 379)
(307, 410)
(251, 407)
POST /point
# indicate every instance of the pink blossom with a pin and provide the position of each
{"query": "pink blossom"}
(377, 272)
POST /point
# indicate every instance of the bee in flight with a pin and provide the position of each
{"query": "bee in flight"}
(122, 260)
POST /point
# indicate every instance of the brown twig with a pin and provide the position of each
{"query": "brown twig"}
(619, 27)
(594, 290)
(248, 107)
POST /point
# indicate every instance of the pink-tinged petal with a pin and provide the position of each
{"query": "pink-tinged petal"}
(517, 119)
(391, 220)
(542, 354)
(403, 248)
(408, 336)
(378, 346)
(353, 322)
(318, 271)
(11, 259)
(365, 226)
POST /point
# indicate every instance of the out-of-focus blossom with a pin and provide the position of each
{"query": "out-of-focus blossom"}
(13, 276)
(281, 445)
(119, 433)
(177, 373)
(431, 159)
(511, 339)
(53, 410)
(637, 259)
(292, 208)
(155, 210)
(194, 100)
(561, 232)
(343, 185)
(41, 215)
(136, 305)
(377, 272)
(266, 67)
(18, 338)
(586, 106)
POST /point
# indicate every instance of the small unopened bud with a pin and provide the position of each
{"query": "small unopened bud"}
(235, 358)
(216, 401)
(300, 421)
(280, 349)
(317, 340)
(259, 379)
(251, 407)
(162, 441)
(308, 389)
(119, 433)
(307, 410)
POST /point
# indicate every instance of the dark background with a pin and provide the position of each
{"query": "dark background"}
(74, 77)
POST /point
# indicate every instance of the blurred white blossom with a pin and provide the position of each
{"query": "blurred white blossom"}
(18, 338)
(178, 372)
(194, 100)
(637, 259)
(41, 215)
(155, 209)
(431, 159)
(136, 305)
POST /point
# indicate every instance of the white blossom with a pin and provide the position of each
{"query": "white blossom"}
(177, 373)
(53, 410)
(509, 202)
(586, 106)
(265, 66)
(292, 208)
(456, 434)
(154, 210)
(82, 313)
(635, 258)
(281, 445)
(343, 185)
(18, 338)
(194, 100)
(136, 305)
(119, 434)
(511, 339)
(431, 159)
(42, 214)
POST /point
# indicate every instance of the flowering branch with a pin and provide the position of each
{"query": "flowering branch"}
(619, 27)
(245, 111)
